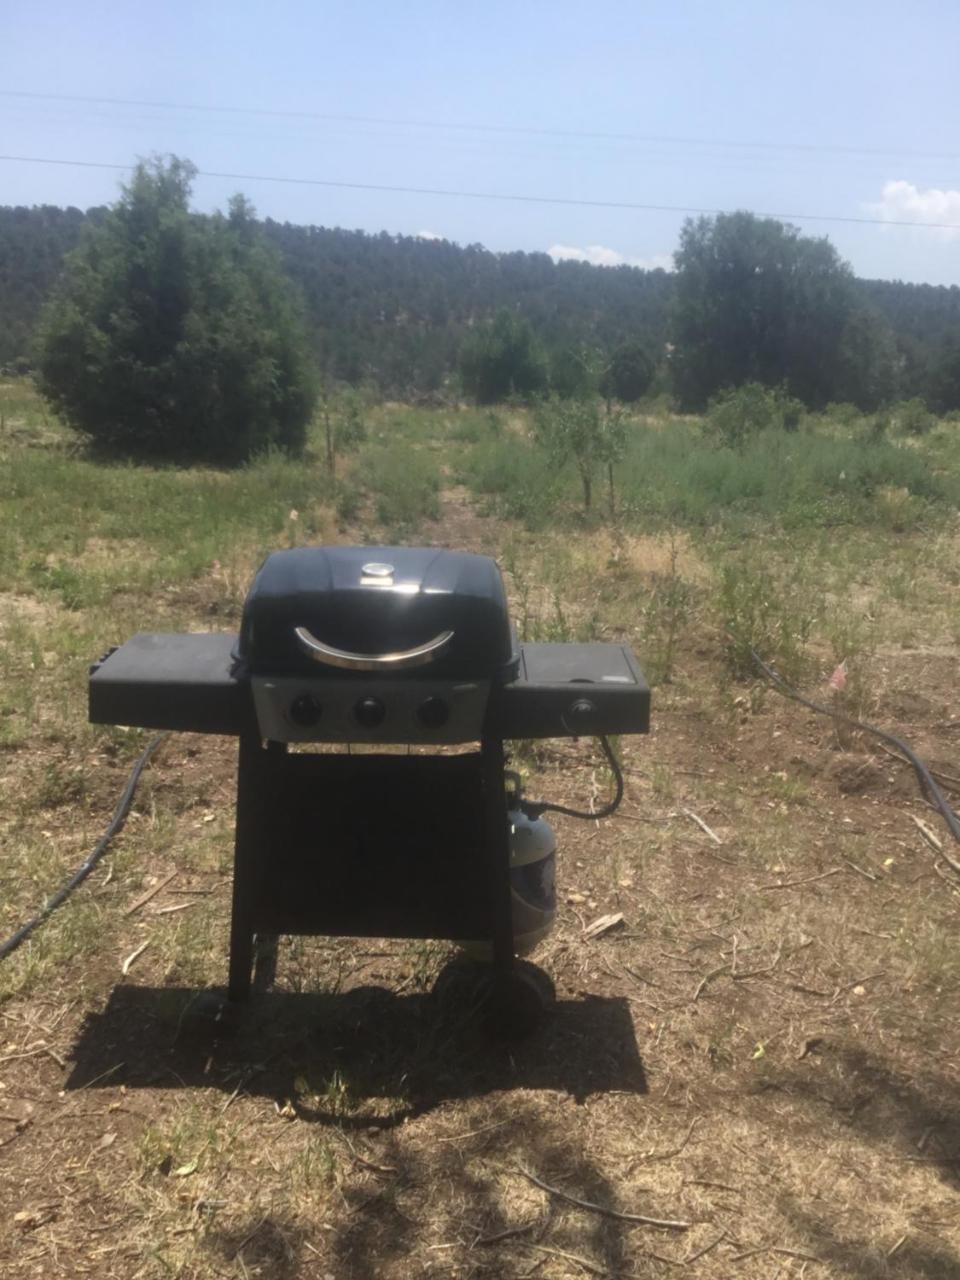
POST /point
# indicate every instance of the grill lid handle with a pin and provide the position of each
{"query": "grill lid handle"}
(331, 657)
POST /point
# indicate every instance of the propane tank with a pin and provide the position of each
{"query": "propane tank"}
(533, 893)
(533, 860)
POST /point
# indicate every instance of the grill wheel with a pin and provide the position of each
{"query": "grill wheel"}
(508, 1008)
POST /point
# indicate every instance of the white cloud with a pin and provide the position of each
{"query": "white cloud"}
(429, 235)
(600, 256)
(903, 202)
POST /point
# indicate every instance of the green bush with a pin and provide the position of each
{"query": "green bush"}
(737, 414)
(503, 359)
(175, 336)
(842, 413)
(912, 417)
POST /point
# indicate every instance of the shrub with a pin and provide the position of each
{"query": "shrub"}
(630, 373)
(842, 412)
(502, 359)
(737, 414)
(174, 336)
(912, 417)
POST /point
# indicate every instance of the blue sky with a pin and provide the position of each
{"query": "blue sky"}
(842, 108)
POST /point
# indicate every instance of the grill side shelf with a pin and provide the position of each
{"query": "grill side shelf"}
(169, 681)
(573, 690)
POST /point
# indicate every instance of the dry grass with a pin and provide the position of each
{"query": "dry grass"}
(767, 1051)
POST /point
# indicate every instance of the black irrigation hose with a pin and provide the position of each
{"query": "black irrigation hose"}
(924, 776)
(116, 822)
(534, 808)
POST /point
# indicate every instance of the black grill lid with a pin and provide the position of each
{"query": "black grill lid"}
(389, 610)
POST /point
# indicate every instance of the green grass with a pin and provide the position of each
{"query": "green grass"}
(671, 475)
(55, 510)
(404, 484)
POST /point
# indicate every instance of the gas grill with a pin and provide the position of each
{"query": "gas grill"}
(364, 647)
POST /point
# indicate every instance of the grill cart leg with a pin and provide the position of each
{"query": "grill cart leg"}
(519, 993)
(246, 844)
(497, 843)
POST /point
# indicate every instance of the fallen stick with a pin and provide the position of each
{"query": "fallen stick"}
(714, 973)
(674, 1151)
(703, 826)
(505, 1235)
(692, 1257)
(668, 1224)
(947, 779)
(858, 982)
(767, 968)
(931, 837)
(592, 1268)
(127, 964)
(792, 884)
(151, 893)
(935, 843)
(602, 925)
(867, 875)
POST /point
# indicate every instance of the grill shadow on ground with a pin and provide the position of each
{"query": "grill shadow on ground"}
(359, 1058)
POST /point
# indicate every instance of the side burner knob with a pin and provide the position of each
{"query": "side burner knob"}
(580, 716)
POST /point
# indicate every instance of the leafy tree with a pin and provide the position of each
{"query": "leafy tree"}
(176, 336)
(503, 359)
(581, 429)
(576, 371)
(870, 369)
(342, 416)
(757, 302)
(629, 374)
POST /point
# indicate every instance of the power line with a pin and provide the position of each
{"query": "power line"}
(482, 127)
(493, 195)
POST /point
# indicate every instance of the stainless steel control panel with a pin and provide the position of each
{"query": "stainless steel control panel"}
(295, 709)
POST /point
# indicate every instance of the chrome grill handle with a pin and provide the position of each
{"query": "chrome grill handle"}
(403, 660)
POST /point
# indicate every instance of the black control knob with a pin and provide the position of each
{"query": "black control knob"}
(305, 710)
(433, 712)
(581, 715)
(369, 712)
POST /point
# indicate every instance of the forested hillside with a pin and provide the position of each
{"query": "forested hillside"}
(395, 309)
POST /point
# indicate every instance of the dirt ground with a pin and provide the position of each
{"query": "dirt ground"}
(753, 1075)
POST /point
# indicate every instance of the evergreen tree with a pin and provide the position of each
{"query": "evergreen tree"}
(176, 336)
(503, 359)
(945, 382)
(629, 374)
